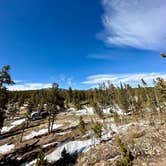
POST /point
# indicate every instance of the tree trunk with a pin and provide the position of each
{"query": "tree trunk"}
(52, 123)
(49, 123)
(21, 135)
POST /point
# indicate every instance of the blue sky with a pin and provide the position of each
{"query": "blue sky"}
(80, 43)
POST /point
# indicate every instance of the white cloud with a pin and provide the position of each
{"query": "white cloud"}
(18, 81)
(132, 79)
(63, 80)
(100, 56)
(69, 81)
(135, 23)
(29, 86)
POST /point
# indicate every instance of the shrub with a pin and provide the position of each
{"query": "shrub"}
(40, 159)
(97, 109)
(82, 126)
(116, 118)
(127, 156)
(97, 128)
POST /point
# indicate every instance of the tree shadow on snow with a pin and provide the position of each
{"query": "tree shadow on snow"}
(66, 159)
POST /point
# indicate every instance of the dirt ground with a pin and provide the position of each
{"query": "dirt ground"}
(147, 143)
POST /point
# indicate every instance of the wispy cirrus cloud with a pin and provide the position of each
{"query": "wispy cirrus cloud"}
(116, 79)
(135, 23)
(100, 56)
(65, 81)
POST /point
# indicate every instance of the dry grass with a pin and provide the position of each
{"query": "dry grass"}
(136, 134)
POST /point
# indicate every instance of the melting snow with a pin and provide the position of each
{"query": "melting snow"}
(13, 124)
(6, 148)
(63, 133)
(31, 163)
(71, 147)
(18, 122)
(106, 111)
(86, 111)
(90, 110)
(125, 127)
(83, 146)
(40, 132)
(46, 145)
(118, 110)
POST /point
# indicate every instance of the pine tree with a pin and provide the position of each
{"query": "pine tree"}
(70, 95)
(123, 98)
(40, 159)
(4, 79)
(116, 118)
(126, 154)
(97, 109)
(97, 128)
(55, 104)
(82, 125)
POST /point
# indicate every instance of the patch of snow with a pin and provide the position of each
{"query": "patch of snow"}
(6, 129)
(71, 109)
(6, 148)
(25, 105)
(55, 126)
(53, 143)
(118, 110)
(71, 147)
(15, 118)
(85, 111)
(19, 158)
(90, 110)
(88, 134)
(40, 132)
(31, 163)
(106, 110)
(83, 146)
(113, 159)
(63, 133)
(13, 124)
(35, 133)
(107, 133)
(125, 126)
(18, 122)
(22, 108)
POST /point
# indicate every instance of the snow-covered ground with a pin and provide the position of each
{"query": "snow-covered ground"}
(85, 111)
(6, 148)
(13, 124)
(90, 111)
(114, 128)
(40, 132)
(50, 144)
(31, 163)
(63, 133)
(126, 126)
(116, 109)
(71, 147)
(81, 146)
